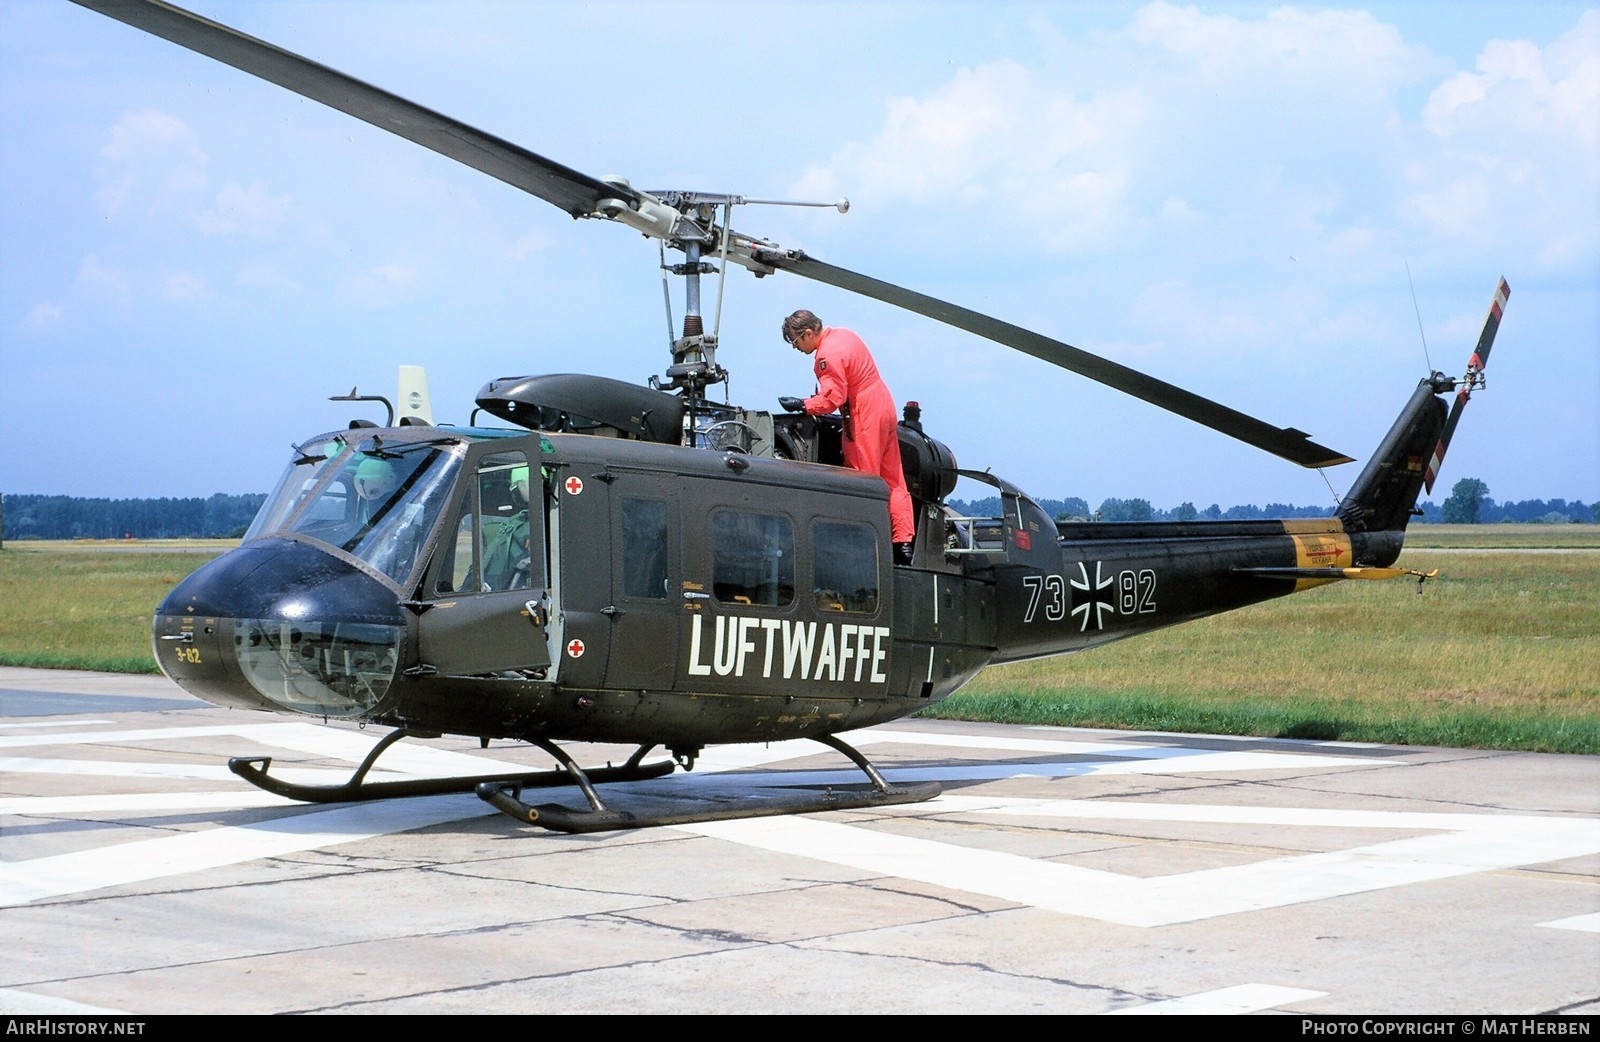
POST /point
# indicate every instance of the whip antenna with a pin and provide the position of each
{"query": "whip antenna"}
(1418, 310)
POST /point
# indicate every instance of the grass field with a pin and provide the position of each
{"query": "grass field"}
(1502, 650)
(87, 605)
(1507, 537)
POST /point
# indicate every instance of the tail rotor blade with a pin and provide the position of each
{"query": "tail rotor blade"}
(1471, 381)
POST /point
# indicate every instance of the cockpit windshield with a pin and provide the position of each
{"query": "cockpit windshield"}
(375, 502)
(310, 462)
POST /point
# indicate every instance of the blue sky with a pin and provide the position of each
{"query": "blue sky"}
(1226, 196)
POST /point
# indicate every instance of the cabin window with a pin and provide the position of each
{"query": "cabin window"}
(844, 566)
(512, 558)
(496, 543)
(457, 550)
(644, 548)
(752, 558)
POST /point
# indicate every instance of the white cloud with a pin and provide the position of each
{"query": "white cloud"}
(1336, 52)
(252, 211)
(184, 287)
(1178, 211)
(265, 275)
(379, 286)
(1104, 140)
(536, 241)
(998, 138)
(1515, 159)
(153, 171)
(150, 165)
(44, 316)
(100, 278)
(148, 130)
(1181, 315)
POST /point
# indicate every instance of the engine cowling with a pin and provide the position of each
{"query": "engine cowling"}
(929, 465)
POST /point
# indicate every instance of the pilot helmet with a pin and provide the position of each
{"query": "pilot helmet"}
(374, 478)
(519, 483)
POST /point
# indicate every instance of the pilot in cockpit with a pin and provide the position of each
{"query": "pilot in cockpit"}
(507, 558)
(374, 481)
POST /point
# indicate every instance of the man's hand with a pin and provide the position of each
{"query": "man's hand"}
(793, 404)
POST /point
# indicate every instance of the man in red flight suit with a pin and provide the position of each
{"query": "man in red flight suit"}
(848, 382)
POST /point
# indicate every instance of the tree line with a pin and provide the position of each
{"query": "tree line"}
(1469, 503)
(220, 516)
(224, 516)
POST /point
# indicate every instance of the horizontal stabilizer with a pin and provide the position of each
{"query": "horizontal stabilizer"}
(1336, 573)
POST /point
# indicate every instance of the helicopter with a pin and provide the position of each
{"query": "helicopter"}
(588, 560)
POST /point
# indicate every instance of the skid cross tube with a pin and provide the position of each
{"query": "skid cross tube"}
(253, 769)
(506, 797)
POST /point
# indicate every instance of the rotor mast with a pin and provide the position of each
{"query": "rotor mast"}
(694, 354)
(685, 221)
(689, 221)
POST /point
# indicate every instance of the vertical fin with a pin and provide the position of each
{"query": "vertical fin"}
(415, 405)
(1382, 498)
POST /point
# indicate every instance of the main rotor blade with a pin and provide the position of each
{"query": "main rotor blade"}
(1286, 442)
(572, 191)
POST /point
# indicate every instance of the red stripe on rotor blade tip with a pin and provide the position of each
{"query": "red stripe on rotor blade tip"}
(1433, 467)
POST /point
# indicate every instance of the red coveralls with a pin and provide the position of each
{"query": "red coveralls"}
(847, 375)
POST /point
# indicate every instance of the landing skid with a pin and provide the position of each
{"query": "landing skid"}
(505, 795)
(358, 789)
